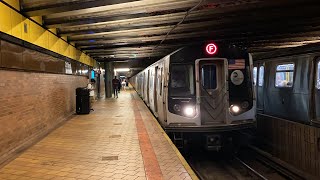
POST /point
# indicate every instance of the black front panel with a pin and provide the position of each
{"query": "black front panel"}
(240, 94)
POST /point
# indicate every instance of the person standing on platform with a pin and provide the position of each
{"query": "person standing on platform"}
(91, 89)
(123, 83)
(115, 85)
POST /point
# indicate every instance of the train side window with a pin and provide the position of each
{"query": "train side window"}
(254, 73)
(181, 80)
(284, 75)
(318, 76)
(209, 76)
(261, 76)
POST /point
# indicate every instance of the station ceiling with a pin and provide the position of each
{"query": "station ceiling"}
(142, 30)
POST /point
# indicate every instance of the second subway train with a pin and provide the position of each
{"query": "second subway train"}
(200, 93)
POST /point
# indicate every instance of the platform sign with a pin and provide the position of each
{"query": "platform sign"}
(211, 48)
(68, 68)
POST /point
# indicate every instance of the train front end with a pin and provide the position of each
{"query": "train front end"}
(210, 93)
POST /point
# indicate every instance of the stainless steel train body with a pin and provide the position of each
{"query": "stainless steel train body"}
(192, 91)
(287, 83)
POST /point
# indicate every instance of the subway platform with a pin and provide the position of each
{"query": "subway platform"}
(119, 140)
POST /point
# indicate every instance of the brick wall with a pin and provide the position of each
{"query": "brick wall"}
(32, 104)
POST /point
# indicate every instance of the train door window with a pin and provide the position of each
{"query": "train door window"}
(318, 76)
(261, 76)
(181, 80)
(209, 76)
(284, 75)
(254, 73)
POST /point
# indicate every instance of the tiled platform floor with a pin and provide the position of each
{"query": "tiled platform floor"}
(119, 140)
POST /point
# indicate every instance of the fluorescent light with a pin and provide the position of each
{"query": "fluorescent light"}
(122, 70)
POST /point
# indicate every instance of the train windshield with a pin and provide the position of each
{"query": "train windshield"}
(181, 80)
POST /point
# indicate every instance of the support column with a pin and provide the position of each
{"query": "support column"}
(109, 73)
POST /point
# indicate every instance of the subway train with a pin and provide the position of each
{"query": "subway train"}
(287, 83)
(200, 93)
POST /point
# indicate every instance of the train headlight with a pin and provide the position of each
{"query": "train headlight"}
(189, 111)
(234, 109)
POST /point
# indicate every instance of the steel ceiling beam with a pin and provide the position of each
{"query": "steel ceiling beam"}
(260, 42)
(138, 48)
(129, 52)
(147, 60)
(196, 16)
(51, 7)
(142, 21)
(145, 7)
(167, 16)
(140, 40)
(129, 56)
(244, 31)
(140, 32)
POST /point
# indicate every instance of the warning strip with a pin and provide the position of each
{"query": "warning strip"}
(151, 164)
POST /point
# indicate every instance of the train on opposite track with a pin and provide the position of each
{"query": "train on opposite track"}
(200, 93)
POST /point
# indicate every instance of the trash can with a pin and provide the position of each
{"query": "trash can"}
(82, 101)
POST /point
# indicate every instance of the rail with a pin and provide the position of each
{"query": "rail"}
(282, 169)
(250, 169)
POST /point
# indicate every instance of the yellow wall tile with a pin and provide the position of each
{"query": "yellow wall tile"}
(38, 19)
(25, 35)
(63, 47)
(5, 25)
(53, 43)
(14, 3)
(35, 33)
(54, 30)
(16, 24)
(44, 40)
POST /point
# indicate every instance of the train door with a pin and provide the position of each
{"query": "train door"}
(148, 77)
(145, 87)
(212, 91)
(316, 91)
(143, 81)
(155, 90)
(141, 85)
(160, 101)
(260, 87)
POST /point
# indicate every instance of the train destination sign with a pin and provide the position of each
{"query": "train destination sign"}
(211, 48)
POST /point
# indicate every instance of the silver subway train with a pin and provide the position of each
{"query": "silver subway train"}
(200, 93)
